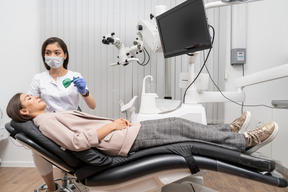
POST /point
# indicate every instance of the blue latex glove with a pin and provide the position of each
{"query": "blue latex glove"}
(80, 83)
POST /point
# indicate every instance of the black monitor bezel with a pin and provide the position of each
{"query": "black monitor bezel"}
(206, 45)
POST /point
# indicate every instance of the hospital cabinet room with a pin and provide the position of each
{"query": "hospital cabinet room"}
(144, 95)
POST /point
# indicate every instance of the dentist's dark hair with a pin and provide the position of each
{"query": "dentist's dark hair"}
(63, 46)
(13, 109)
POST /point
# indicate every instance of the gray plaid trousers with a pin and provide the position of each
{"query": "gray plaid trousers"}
(174, 130)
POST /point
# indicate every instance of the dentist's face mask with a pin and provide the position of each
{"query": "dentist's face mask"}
(54, 62)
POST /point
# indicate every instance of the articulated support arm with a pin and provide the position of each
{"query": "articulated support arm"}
(262, 76)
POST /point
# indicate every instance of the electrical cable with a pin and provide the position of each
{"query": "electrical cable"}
(148, 56)
(242, 106)
(144, 60)
(21, 145)
(202, 65)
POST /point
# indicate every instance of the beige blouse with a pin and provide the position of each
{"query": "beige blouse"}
(76, 131)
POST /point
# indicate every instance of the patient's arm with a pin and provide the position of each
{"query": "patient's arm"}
(74, 140)
(115, 125)
(77, 139)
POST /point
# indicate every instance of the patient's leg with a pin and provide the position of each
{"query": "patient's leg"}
(45, 169)
(49, 180)
(172, 130)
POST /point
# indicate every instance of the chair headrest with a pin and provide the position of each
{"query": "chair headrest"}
(11, 130)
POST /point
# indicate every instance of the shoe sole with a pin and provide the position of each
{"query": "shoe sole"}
(246, 122)
(268, 140)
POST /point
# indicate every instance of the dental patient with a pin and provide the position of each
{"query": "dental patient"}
(78, 131)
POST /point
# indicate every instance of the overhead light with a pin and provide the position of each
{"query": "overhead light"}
(224, 3)
(230, 1)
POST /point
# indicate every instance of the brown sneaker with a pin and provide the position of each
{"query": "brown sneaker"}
(241, 124)
(261, 136)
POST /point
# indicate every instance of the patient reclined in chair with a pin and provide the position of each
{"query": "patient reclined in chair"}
(105, 152)
(93, 168)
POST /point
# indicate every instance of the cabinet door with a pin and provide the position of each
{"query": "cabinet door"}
(279, 145)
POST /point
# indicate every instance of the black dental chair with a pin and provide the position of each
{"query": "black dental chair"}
(163, 164)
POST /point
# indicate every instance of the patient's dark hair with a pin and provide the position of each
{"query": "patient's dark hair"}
(13, 109)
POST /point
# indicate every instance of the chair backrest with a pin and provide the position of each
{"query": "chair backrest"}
(29, 130)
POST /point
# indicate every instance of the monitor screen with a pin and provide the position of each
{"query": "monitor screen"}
(184, 29)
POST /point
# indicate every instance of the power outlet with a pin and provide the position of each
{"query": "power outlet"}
(238, 56)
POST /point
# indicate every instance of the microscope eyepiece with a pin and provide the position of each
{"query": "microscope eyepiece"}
(107, 40)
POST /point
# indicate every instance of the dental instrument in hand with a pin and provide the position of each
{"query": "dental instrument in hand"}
(67, 82)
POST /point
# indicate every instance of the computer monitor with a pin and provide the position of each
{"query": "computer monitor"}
(184, 29)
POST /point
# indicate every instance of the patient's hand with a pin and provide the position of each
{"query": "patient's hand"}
(121, 124)
(115, 125)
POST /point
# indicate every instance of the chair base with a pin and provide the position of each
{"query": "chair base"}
(65, 184)
(148, 183)
(152, 182)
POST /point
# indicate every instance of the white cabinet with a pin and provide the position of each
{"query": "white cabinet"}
(3, 132)
(279, 145)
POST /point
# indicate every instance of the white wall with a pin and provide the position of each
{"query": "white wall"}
(267, 46)
(19, 53)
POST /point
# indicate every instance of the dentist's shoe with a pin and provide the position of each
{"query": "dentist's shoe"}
(261, 136)
(241, 124)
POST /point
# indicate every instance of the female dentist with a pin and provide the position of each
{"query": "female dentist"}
(48, 85)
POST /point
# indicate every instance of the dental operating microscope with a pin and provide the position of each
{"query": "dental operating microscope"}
(126, 55)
